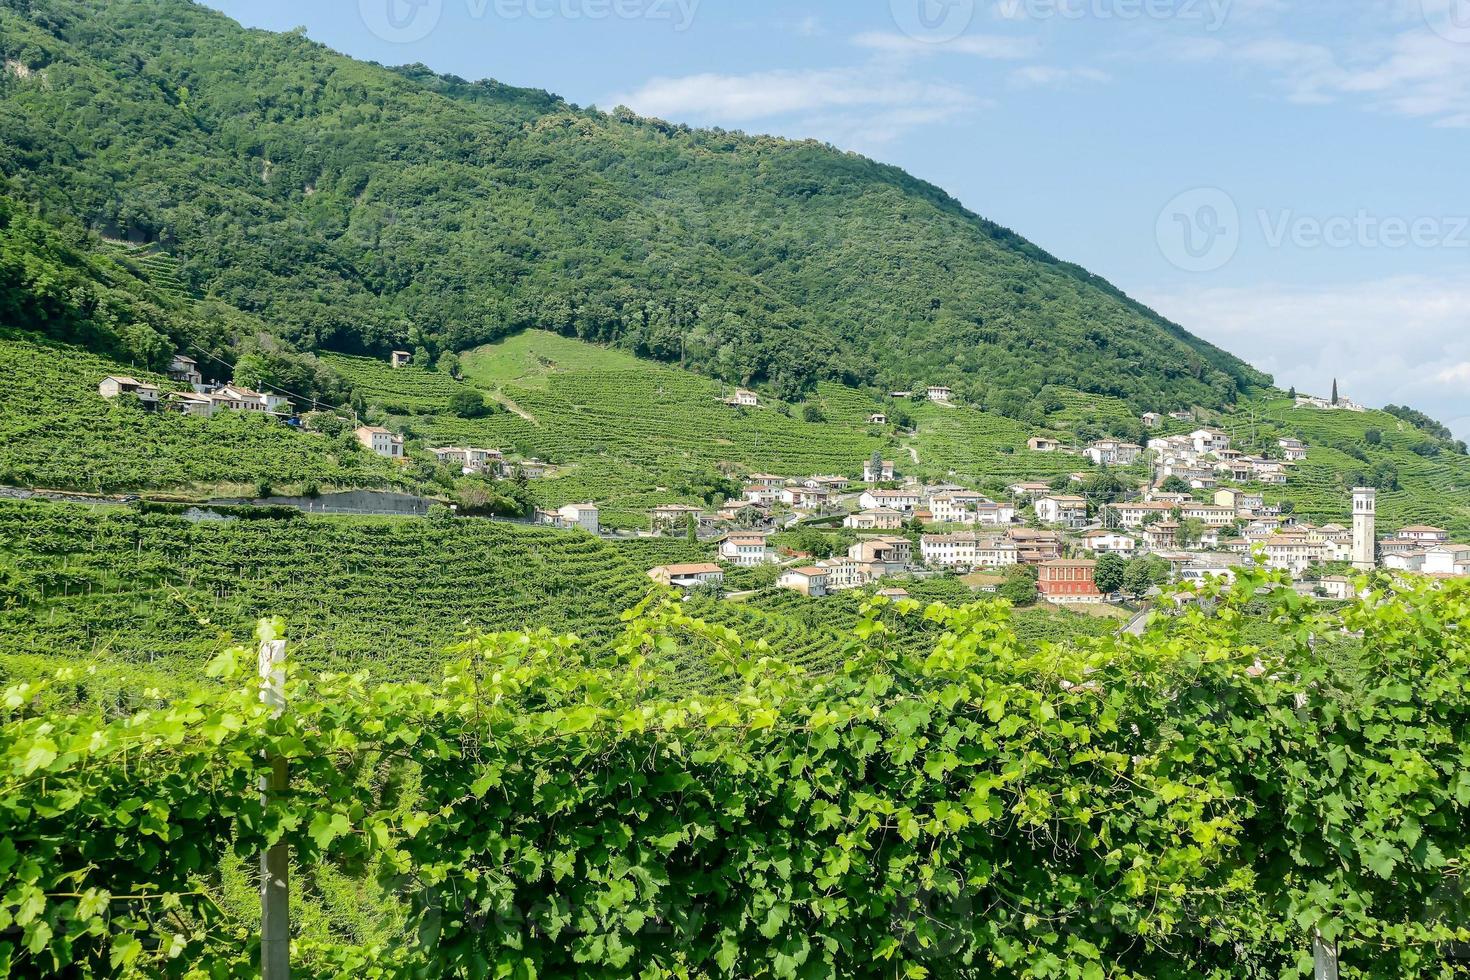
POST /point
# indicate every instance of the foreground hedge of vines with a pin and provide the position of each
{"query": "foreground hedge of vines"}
(1182, 804)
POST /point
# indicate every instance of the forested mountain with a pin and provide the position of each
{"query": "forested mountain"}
(351, 207)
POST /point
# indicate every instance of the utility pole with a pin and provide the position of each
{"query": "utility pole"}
(275, 913)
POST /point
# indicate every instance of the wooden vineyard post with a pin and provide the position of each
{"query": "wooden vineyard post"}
(1324, 958)
(275, 912)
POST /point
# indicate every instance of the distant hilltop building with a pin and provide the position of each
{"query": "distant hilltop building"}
(1334, 404)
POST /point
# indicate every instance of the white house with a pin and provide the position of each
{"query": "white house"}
(761, 494)
(1132, 514)
(1110, 543)
(1211, 515)
(883, 474)
(401, 358)
(804, 498)
(114, 385)
(968, 507)
(1043, 444)
(967, 550)
(584, 516)
(380, 440)
(1293, 552)
(766, 480)
(1209, 440)
(892, 553)
(1063, 509)
(879, 519)
(1338, 587)
(1026, 490)
(672, 517)
(1423, 534)
(1243, 502)
(810, 581)
(688, 576)
(744, 398)
(1112, 452)
(1447, 559)
(905, 500)
(746, 548)
(877, 418)
(1152, 420)
(940, 394)
(468, 459)
(1292, 450)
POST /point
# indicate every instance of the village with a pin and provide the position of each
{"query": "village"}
(1201, 512)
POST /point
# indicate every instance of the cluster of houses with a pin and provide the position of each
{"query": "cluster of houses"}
(1204, 459)
(201, 399)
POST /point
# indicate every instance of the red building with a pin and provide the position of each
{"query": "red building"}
(1068, 581)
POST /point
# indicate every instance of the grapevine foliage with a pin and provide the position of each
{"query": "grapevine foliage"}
(1181, 804)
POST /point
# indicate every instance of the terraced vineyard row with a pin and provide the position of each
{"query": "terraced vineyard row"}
(386, 593)
(56, 431)
(411, 390)
(1079, 408)
(1433, 490)
(985, 448)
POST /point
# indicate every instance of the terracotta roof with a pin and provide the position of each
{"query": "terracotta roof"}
(690, 568)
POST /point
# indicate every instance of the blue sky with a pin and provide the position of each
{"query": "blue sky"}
(1286, 178)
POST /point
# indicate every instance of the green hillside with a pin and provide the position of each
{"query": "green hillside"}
(354, 207)
(1421, 479)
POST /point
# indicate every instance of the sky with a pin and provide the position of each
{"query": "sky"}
(1285, 178)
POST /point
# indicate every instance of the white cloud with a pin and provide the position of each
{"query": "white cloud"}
(1404, 340)
(851, 107)
(1459, 374)
(1047, 76)
(976, 45)
(1415, 73)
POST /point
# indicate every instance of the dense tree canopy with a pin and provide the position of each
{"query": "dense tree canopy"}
(356, 208)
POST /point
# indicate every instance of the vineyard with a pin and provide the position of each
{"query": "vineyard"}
(57, 432)
(1185, 804)
(411, 390)
(989, 450)
(1432, 490)
(381, 593)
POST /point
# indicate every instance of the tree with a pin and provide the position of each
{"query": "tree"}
(468, 403)
(1137, 578)
(1291, 393)
(692, 529)
(811, 413)
(448, 363)
(1110, 573)
(1191, 531)
(876, 465)
(1175, 484)
(1373, 437)
(1020, 585)
(1334, 391)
